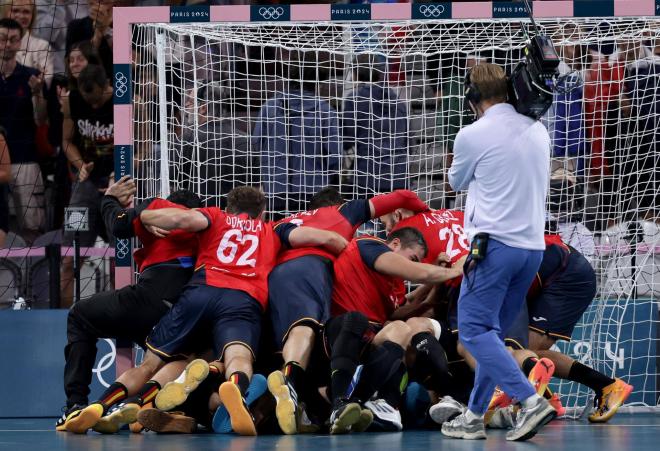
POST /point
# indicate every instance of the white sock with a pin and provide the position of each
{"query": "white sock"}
(471, 416)
(529, 402)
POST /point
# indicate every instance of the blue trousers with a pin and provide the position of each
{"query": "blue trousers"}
(491, 297)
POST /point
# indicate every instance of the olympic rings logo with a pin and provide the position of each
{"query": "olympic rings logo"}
(121, 249)
(105, 363)
(271, 13)
(121, 84)
(432, 10)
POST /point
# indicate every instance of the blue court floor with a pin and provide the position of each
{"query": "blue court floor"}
(638, 432)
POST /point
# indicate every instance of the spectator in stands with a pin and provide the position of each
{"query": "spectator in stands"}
(51, 21)
(375, 124)
(35, 52)
(23, 109)
(221, 149)
(97, 28)
(5, 178)
(298, 139)
(88, 137)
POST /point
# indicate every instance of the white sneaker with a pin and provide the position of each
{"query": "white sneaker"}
(503, 418)
(446, 409)
(531, 419)
(386, 417)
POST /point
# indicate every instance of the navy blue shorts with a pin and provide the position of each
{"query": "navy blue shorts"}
(561, 305)
(206, 316)
(299, 293)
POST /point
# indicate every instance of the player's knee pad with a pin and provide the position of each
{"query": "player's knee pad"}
(381, 365)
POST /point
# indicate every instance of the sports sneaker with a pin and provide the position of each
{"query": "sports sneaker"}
(287, 402)
(365, 421)
(67, 413)
(241, 419)
(504, 418)
(344, 417)
(172, 422)
(122, 414)
(541, 374)
(385, 417)
(446, 409)
(221, 422)
(498, 401)
(609, 401)
(84, 419)
(175, 393)
(531, 419)
(460, 427)
(556, 404)
(136, 427)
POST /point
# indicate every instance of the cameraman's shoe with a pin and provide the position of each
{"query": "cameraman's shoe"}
(531, 419)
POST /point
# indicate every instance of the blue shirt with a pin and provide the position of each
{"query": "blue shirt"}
(17, 114)
(503, 160)
(297, 138)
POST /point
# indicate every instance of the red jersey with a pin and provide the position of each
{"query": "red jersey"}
(358, 287)
(238, 252)
(443, 232)
(178, 245)
(343, 219)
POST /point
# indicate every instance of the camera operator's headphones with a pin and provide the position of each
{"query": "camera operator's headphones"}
(471, 93)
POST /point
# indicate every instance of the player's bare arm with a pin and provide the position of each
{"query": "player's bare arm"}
(311, 237)
(396, 265)
(175, 218)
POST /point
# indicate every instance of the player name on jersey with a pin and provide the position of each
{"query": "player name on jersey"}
(246, 225)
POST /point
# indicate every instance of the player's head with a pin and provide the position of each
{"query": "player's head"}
(485, 85)
(326, 197)
(186, 198)
(391, 219)
(246, 199)
(408, 242)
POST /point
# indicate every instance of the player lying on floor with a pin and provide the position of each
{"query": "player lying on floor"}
(300, 290)
(165, 265)
(225, 297)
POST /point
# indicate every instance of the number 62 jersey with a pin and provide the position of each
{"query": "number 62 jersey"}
(238, 252)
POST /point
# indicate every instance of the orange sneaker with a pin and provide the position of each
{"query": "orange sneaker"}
(85, 420)
(541, 374)
(498, 401)
(241, 419)
(609, 401)
(137, 427)
(555, 402)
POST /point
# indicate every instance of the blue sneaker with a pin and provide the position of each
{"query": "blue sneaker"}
(221, 422)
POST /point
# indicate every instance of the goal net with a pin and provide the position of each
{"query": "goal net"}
(371, 107)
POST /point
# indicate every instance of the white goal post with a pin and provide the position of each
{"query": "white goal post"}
(369, 98)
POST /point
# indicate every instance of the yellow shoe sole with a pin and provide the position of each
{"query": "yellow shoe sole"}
(596, 418)
(348, 418)
(86, 420)
(111, 424)
(241, 419)
(285, 410)
(175, 393)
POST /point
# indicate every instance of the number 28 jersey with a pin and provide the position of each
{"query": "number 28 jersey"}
(238, 252)
(443, 232)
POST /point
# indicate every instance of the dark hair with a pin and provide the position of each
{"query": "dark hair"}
(186, 198)
(246, 199)
(326, 197)
(90, 53)
(90, 77)
(11, 24)
(409, 237)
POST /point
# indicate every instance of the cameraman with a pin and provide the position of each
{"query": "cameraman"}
(503, 160)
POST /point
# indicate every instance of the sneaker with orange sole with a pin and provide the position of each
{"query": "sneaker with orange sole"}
(137, 427)
(555, 402)
(119, 416)
(241, 419)
(498, 401)
(166, 422)
(541, 374)
(609, 401)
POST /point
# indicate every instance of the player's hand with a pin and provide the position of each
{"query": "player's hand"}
(85, 171)
(336, 243)
(443, 260)
(123, 189)
(156, 231)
